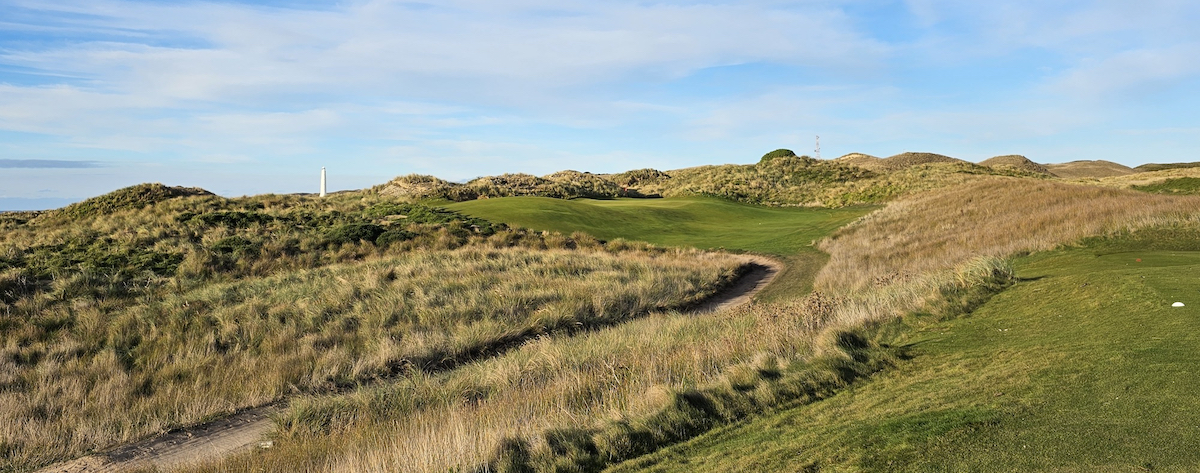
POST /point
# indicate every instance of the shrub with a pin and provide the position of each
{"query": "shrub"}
(132, 197)
(353, 233)
(236, 246)
(779, 153)
(394, 236)
(231, 219)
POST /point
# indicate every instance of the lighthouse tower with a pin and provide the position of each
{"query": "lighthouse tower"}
(322, 182)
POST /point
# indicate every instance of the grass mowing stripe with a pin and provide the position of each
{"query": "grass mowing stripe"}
(1085, 366)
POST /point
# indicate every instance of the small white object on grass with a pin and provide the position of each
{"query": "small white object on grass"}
(1177, 304)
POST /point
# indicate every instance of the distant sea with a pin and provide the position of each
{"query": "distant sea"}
(16, 204)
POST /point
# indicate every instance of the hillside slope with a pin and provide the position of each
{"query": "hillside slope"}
(1088, 169)
(1015, 162)
(779, 179)
(1083, 366)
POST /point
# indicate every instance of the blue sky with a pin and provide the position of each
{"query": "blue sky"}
(253, 97)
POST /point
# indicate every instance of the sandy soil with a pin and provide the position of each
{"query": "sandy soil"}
(248, 429)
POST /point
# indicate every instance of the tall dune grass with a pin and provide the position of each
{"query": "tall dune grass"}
(575, 404)
(76, 377)
(994, 217)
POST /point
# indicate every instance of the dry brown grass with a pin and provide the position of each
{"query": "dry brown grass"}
(456, 421)
(897, 162)
(909, 159)
(907, 181)
(113, 376)
(624, 375)
(1147, 177)
(994, 216)
(1015, 162)
(1088, 169)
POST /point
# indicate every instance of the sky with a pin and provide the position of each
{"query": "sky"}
(250, 97)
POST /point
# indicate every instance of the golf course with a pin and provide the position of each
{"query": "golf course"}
(686, 236)
(916, 326)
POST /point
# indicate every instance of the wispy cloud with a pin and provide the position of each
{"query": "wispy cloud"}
(1135, 72)
(468, 87)
(46, 164)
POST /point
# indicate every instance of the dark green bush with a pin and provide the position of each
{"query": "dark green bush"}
(233, 219)
(394, 236)
(237, 246)
(353, 233)
(779, 153)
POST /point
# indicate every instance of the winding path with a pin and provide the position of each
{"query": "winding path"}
(246, 430)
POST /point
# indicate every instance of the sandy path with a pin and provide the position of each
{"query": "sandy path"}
(762, 272)
(235, 433)
(247, 429)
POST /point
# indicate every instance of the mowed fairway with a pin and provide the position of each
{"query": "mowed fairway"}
(699, 222)
(1082, 366)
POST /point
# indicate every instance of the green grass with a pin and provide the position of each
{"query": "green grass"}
(699, 222)
(1182, 185)
(1082, 366)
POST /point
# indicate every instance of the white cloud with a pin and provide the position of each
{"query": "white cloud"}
(470, 87)
(226, 78)
(1137, 72)
(387, 48)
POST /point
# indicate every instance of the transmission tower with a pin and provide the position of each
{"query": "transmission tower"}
(818, 150)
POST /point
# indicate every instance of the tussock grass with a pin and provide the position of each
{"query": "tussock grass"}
(1180, 185)
(133, 197)
(1159, 167)
(779, 179)
(909, 159)
(1015, 162)
(106, 377)
(562, 185)
(155, 307)
(993, 217)
(1174, 180)
(579, 403)
(1085, 169)
(132, 241)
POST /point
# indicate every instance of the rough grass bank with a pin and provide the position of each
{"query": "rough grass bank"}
(99, 345)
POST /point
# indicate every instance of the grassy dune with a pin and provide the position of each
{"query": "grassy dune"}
(1086, 169)
(624, 374)
(578, 403)
(1082, 366)
(779, 179)
(990, 217)
(154, 307)
(115, 376)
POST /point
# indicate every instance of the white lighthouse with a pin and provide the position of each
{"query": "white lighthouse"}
(322, 181)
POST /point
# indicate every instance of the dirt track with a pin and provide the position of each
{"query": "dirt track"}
(246, 429)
